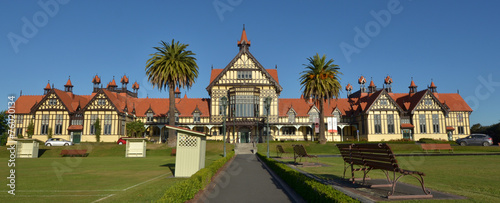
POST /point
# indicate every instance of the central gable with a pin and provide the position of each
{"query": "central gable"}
(100, 102)
(429, 102)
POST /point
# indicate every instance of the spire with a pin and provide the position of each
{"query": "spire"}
(68, 87)
(135, 86)
(433, 87)
(47, 88)
(362, 82)
(177, 93)
(124, 81)
(112, 85)
(348, 88)
(372, 88)
(96, 80)
(413, 87)
(244, 42)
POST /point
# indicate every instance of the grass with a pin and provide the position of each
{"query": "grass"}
(475, 177)
(105, 173)
(403, 148)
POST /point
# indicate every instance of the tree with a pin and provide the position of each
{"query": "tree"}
(49, 133)
(31, 129)
(170, 67)
(4, 126)
(320, 81)
(135, 128)
(97, 127)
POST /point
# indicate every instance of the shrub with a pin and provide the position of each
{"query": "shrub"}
(185, 190)
(310, 189)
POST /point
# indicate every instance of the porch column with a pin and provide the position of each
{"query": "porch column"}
(279, 130)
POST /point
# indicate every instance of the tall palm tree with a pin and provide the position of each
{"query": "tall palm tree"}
(172, 66)
(320, 81)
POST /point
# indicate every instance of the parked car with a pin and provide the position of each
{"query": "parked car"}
(57, 142)
(475, 139)
(121, 141)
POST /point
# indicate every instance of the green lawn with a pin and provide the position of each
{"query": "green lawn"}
(475, 177)
(105, 173)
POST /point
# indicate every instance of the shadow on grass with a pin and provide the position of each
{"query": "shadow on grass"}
(171, 167)
(41, 152)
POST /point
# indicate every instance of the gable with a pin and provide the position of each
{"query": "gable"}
(51, 102)
(244, 69)
(100, 102)
(383, 102)
(428, 102)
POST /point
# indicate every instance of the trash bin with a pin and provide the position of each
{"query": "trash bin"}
(191, 147)
(27, 148)
(135, 147)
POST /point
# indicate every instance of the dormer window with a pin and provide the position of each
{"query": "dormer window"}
(291, 117)
(196, 117)
(313, 116)
(149, 116)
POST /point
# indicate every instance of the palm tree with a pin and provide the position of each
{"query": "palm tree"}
(172, 66)
(320, 81)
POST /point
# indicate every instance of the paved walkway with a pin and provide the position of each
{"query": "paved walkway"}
(246, 179)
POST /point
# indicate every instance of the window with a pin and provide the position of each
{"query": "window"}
(384, 102)
(196, 117)
(107, 125)
(435, 123)
(288, 130)
(460, 117)
(199, 129)
(19, 131)
(244, 105)
(390, 123)
(45, 125)
(52, 102)
(428, 101)
(149, 117)
(461, 130)
(58, 128)
(101, 102)
(421, 120)
(291, 117)
(313, 116)
(19, 119)
(378, 124)
(244, 75)
(93, 118)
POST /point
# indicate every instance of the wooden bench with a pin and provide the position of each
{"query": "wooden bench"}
(74, 152)
(438, 147)
(299, 151)
(280, 151)
(367, 157)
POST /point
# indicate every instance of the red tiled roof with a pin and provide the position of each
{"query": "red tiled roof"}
(47, 87)
(412, 84)
(407, 125)
(177, 90)
(24, 103)
(372, 84)
(75, 127)
(454, 101)
(432, 84)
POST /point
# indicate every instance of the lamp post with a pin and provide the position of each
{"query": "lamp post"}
(267, 103)
(223, 104)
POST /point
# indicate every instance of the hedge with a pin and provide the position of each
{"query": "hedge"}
(310, 189)
(430, 140)
(185, 190)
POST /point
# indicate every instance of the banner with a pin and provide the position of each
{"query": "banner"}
(332, 124)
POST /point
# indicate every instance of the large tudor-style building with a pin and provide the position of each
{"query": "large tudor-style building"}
(373, 114)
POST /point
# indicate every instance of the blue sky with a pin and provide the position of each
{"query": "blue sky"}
(453, 43)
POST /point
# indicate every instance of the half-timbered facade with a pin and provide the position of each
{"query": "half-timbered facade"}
(373, 114)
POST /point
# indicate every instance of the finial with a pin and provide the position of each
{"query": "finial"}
(212, 67)
(276, 66)
(21, 93)
(243, 26)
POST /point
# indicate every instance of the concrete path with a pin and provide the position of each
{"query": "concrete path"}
(246, 179)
